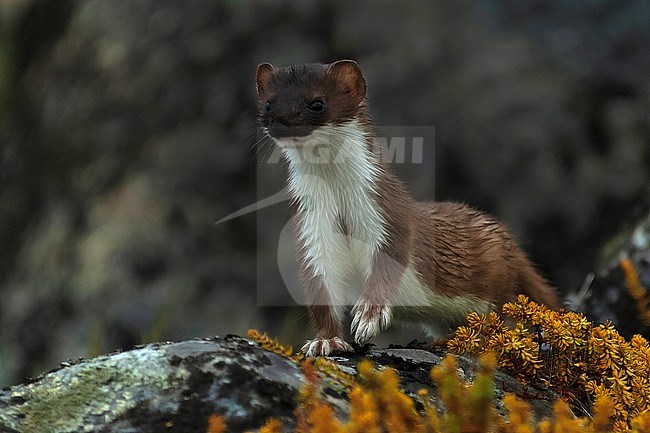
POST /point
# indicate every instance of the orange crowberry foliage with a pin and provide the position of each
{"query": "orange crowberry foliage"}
(581, 361)
(636, 289)
(272, 426)
(216, 424)
(273, 345)
(378, 405)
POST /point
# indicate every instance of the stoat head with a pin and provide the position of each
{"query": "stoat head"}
(298, 100)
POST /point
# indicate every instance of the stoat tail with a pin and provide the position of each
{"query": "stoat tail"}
(537, 289)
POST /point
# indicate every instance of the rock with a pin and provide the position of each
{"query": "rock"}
(157, 387)
(176, 387)
(606, 294)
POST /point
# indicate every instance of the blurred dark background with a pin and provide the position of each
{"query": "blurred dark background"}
(127, 127)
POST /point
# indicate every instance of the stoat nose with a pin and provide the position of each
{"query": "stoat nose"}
(279, 127)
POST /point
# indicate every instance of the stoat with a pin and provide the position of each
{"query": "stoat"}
(362, 240)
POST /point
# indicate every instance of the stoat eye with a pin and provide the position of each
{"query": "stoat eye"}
(317, 105)
(267, 106)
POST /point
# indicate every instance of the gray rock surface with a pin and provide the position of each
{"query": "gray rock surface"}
(171, 387)
(606, 295)
(175, 387)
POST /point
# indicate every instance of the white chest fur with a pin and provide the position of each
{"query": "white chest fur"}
(332, 176)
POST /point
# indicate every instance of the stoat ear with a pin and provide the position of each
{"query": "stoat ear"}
(349, 78)
(263, 78)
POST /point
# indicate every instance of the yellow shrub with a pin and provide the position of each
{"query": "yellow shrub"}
(580, 361)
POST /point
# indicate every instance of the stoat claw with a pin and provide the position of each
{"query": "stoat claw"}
(369, 320)
(325, 346)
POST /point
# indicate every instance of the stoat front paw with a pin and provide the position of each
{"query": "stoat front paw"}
(325, 346)
(369, 320)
